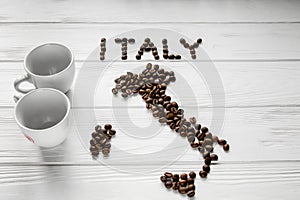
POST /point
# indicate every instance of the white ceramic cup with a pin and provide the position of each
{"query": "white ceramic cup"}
(43, 116)
(49, 65)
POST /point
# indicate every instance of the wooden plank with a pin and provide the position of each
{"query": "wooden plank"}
(255, 134)
(229, 181)
(150, 11)
(220, 42)
(253, 84)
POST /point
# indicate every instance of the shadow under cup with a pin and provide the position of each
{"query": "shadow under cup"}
(42, 114)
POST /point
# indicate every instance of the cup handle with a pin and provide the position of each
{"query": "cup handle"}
(16, 98)
(20, 80)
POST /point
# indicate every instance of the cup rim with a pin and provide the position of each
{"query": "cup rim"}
(49, 43)
(49, 128)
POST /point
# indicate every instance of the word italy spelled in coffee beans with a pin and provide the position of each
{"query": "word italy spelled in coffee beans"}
(100, 141)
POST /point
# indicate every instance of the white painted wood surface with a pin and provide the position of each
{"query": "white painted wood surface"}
(254, 46)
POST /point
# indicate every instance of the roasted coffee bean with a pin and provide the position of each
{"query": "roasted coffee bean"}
(170, 116)
(180, 111)
(178, 57)
(193, 56)
(201, 143)
(194, 145)
(222, 142)
(215, 138)
(97, 138)
(190, 181)
(199, 41)
(204, 129)
(208, 141)
(148, 106)
(207, 160)
(93, 148)
(131, 40)
(201, 149)
(203, 174)
(156, 57)
(175, 185)
(191, 187)
(226, 147)
(94, 134)
(124, 95)
(192, 174)
(193, 120)
(206, 168)
(201, 136)
(162, 120)
(105, 151)
(182, 41)
(112, 132)
(164, 41)
(155, 114)
(168, 184)
(168, 175)
(165, 56)
(147, 40)
(182, 190)
(214, 157)
(98, 128)
(206, 154)
(172, 78)
(183, 134)
(191, 193)
(103, 141)
(186, 45)
(138, 57)
(195, 45)
(192, 51)
(175, 177)
(107, 126)
(183, 183)
(154, 52)
(163, 179)
(107, 145)
(209, 148)
(197, 126)
(171, 56)
(208, 135)
(95, 153)
(118, 40)
(183, 176)
(191, 139)
(93, 142)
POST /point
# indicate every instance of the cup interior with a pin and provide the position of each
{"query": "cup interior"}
(42, 109)
(48, 59)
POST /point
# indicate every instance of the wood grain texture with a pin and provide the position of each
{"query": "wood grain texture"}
(227, 181)
(228, 42)
(255, 48)
(169, 11)
(246, 84)
(255, 134)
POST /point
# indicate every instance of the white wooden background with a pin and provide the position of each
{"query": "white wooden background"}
(255, 46)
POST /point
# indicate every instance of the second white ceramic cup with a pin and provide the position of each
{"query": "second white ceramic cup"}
(49, 65)
(43, 116)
